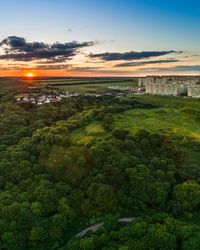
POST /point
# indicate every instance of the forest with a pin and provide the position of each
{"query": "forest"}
(68, 165)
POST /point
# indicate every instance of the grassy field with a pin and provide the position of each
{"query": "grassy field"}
(94, 87)
(169, 101)
(11, 85)
(174, 120)
(81, 85)
(85, 134)
(175, 115)
(77, 80)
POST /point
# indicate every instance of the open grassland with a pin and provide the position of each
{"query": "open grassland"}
(169, 101)
(11, 85)
(81, 85)
(174, 115)
(86, 134)
(174, 120)
(95, 87)
(81, 80)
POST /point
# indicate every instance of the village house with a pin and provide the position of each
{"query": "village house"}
(44, 99)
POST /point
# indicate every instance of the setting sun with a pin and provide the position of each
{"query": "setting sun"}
(30, 74)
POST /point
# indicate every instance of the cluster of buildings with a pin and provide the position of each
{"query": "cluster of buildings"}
(153, 85)
(171, 85)
(43, 98)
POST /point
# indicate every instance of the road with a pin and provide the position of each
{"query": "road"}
(96, 226)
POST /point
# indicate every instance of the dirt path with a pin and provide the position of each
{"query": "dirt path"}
(96, 226)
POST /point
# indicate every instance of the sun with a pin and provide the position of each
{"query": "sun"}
(30, 75)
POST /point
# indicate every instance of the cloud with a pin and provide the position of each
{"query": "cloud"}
(132, 55)
(36, 67)
(141, 63)
(85, 69)
(107, 71)
(18, 49)
(99, 71)
(187, 68)
(13, 67)
(51, 61)
(180, 68)
(52, 67)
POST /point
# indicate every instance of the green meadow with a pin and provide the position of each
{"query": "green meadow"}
(85, 87)
(168, 101)
(81, 85)
(86, 134)
(174, 120)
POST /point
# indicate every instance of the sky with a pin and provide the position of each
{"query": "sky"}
(99, 38)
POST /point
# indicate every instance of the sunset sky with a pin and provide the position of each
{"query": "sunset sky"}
(99, 38)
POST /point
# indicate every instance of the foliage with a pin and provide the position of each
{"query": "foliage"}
(69, 164)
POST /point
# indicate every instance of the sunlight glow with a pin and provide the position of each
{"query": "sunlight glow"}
(30, 74)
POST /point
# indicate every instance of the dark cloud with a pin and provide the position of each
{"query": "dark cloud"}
(85, 69)
(38, 66)
(52, 67)
(51, 61)
(99, 71)
(18, 49)
(19, 44)
(180, 68)
(132, 55)
(141, 63)
(187, 68)
(13, 67)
